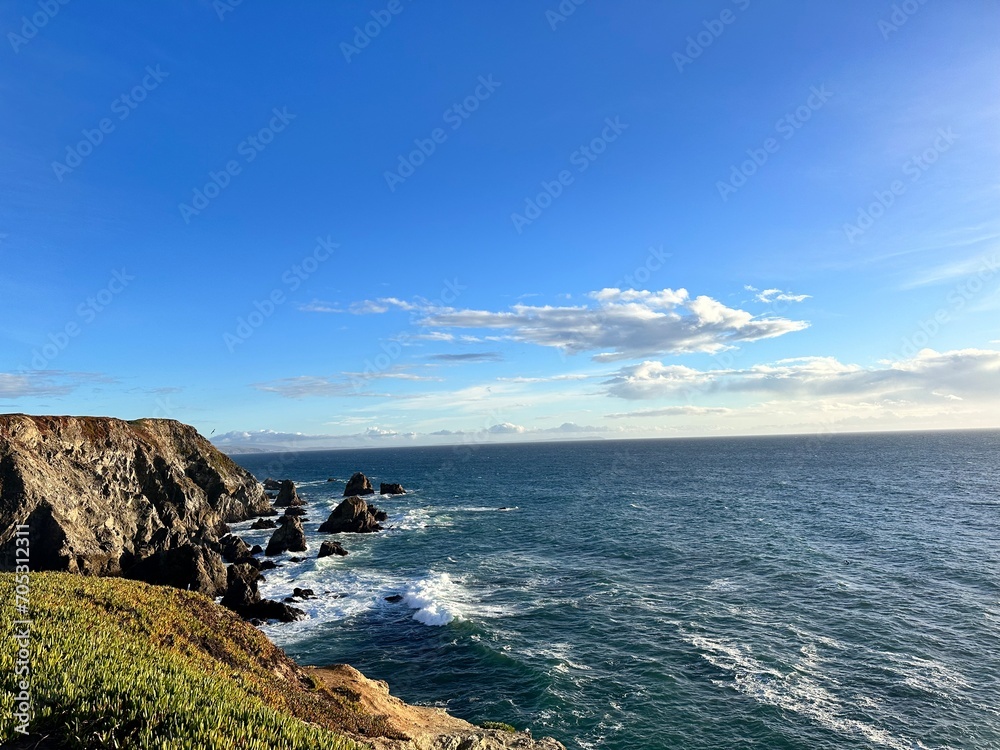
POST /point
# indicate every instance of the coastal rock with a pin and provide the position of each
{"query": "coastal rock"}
(295, 511)
(272, 484)
(263, 523)
(188, 566)
(233, 548)
(424, 728)
(358, 484)
(353, 515)
(243, 597)
(287, 495)
(391, 488)
(103, 496)
(268, 609)
(289, 537)
(331, 548)
(256, 549)
(241, 586)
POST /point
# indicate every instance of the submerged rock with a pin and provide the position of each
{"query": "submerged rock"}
(358, 484)
(289, 537)
(391, 488)
(353, 515)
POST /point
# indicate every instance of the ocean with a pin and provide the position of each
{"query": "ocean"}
(818, 592)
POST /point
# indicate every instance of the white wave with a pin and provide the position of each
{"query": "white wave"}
(482, 509)
(795, 691)
(436, 598)
(927, 675)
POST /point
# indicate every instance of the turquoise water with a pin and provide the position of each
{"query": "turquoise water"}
(818, 592)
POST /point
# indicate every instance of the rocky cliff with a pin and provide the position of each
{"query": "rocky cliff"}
(103, 496)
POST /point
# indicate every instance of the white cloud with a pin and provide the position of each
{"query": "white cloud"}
(673, 411)
(624, 324)
(506, 428)
(769, 296)
(961, 373)
(550, 379)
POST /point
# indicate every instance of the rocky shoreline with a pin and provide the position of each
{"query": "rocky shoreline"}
(151, 500)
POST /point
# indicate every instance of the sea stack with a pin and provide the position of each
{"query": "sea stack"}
(358, 484)
(353, 515)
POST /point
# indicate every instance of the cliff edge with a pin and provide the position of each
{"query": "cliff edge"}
(101, 496)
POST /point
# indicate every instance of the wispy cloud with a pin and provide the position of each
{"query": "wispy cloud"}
(342, 384)
(769, 296)
(974, 372)
(468, 357)
(672, 411)
(34, 383)
(986, 266)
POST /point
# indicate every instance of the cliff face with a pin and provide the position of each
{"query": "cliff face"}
(103, 496)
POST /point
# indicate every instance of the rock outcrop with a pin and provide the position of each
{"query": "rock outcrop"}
(353, 515)
(233, 548)
(288, 496)
(146, 499)
(358, 484)
(243, 597)
(423, 727)
(189, 566)
(326, 549)
(288, 537)
(390, 488)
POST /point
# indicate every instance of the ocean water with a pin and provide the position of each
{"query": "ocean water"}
(786, 592)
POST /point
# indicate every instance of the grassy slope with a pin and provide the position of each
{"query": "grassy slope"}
(119, 663)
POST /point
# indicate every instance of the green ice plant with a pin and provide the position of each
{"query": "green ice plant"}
(120, 664)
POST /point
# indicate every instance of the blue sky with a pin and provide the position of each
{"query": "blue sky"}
(404, 222)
